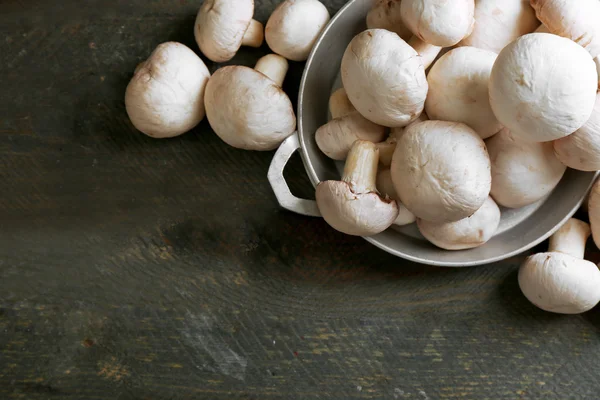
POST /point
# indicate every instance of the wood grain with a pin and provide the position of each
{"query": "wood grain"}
(134, 268)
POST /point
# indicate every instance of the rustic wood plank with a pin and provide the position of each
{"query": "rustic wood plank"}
(133, 268)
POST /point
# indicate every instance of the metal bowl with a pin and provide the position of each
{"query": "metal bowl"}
(519, 229)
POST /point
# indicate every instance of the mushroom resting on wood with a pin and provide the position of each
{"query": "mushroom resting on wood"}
(352, 205)
(560, 280)
(247, 108)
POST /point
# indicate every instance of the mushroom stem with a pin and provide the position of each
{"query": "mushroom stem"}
(360, 171)
(254, 35)
(428, 52)
(274, 67)
(570, 238)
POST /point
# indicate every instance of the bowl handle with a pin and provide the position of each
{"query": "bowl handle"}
(285, 198)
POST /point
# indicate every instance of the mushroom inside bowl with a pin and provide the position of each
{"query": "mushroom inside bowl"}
(518, 230)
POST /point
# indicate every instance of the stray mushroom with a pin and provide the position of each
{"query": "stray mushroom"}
(466, 233)
(499, 22)
(428, 52)
(594, 211)
(560, 280)
(386, 148)
(522, 172)
(339, 104)
(247, 107)
(165, 97)
(441, 170)
(439, 22)
(458, 90)
(223, 26)
(581, 149)
(352, 205)
(294, 27)
(385, 14)
(543, 100)
(386, 188)
(384, 78)
(577, 20)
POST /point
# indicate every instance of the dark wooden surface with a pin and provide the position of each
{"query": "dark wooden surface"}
(133, 268)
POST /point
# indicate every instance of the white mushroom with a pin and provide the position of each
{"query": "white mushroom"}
(499, 22)
(522, 172)
(384, 78)
(385, 14)
(581, 149)
(352, 205)
(441, 170)
(466, 233)
(165, 97)
(386, 148)
(439, 22)
(561, 281)
(428, 52)
(458, 90)
(336, 137)
(223, 26)
(543, 87)
(594, 211)
(247, 107)
(575, 20)
(339, 104)
(294, 27)
(386, 188)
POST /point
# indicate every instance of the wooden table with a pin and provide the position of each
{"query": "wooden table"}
(133, 268)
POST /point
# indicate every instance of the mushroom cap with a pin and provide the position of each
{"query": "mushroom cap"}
(458, 90)
(439, 22)
(336, 137)
(248, 110)
(543, 87)
(560, 283)
(384, 78)
(594, 211)
(466, 233)
(354, 214)
(581, 149)
(165, 97)
(294, 27)
(577, 21)
(385, 186)
(220, 27)
(522, 172)
(385, 14)
(499, 22)
(441, 170)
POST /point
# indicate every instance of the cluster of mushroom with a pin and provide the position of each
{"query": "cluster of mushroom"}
(172, 91)
(466, 107)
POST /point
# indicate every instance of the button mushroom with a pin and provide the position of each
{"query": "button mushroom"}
(439, 22)
(384, 78)
(593, 203)
(386, 148)
(522, 172)
(441, 170)
(575, 20)
(247, 108)
(385, 14)
(543, 87)
(581, 149)
(386, 187)
(352, 205)
(466, 233)
(223, 26)
(294, 27)
(428, 52)
(458, 90)
(165, 97)
(499, 22)
(561, 281)
(339, 104)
